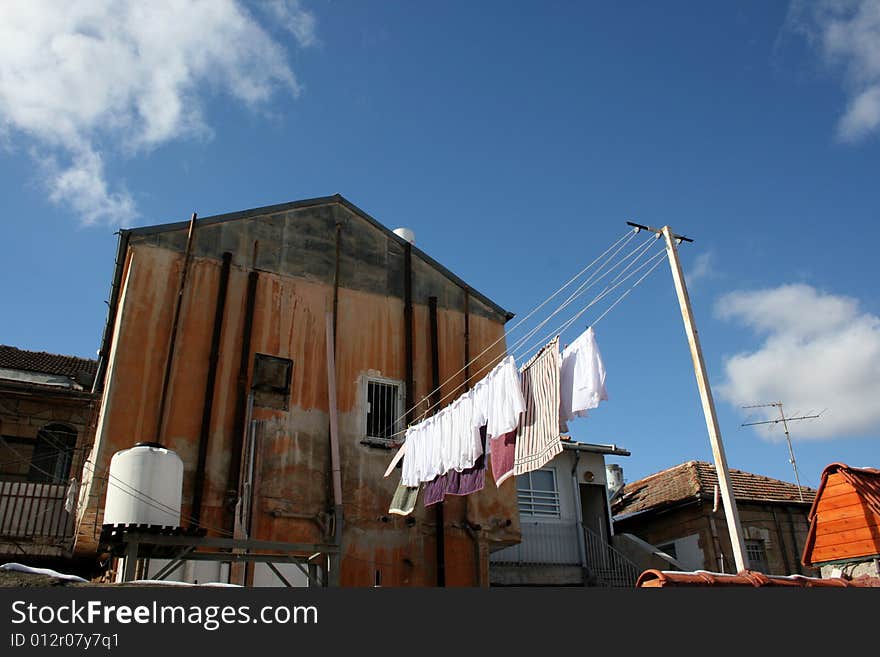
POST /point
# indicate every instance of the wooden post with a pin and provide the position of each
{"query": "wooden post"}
(730, 511)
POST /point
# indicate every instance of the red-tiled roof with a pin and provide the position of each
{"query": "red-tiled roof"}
(697, 479)
(661, 578)
(39, 361)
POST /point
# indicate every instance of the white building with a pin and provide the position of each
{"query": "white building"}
(566, 525)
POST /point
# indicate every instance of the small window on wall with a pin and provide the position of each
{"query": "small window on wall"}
(537, 494)
(271, 384)
(756, 553)
(52, 455)
(384, 410)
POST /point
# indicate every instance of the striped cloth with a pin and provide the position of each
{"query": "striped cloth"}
(537, 437)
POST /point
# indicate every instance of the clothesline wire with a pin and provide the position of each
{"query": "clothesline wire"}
(635, 255)
(625, 238)
(657, 258)
(616, 247)
(515, 349)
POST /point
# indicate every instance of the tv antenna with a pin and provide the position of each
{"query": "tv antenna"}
(785, 421)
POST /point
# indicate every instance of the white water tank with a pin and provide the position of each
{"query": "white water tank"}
(406, 233)
(613, 477)
(145, 486)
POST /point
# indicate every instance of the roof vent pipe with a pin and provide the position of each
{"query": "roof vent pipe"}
(406, 233)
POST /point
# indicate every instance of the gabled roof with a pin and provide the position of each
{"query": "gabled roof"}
(73, 367)
(313, 202)
(696, 480)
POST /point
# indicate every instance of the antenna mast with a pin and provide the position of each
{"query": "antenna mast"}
(785, 421)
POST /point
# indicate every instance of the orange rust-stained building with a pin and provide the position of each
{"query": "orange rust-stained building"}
(247, 329)
(844, 532)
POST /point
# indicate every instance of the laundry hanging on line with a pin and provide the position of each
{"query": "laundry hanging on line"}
(521, 414)
(582, 378)
(450, 440)
(537, 437)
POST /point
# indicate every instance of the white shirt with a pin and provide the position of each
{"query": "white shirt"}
(581, 377)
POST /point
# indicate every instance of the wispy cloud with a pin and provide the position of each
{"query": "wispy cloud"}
(847, 34)
(296, 20)
(819, 351)
(703, 268)
(122, 77)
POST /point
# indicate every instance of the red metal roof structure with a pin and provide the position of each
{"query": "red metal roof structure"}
(845, 516)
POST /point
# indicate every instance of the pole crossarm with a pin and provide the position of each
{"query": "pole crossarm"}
(659, 231)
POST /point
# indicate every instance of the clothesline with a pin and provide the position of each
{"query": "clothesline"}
(518, 350)
(515, 418)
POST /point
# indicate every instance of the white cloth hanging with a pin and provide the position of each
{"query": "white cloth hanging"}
(450, 439)
(581, 378)
(505, 399)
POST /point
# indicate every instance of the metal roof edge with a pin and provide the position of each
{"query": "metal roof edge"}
(313, 202)
(595, 448)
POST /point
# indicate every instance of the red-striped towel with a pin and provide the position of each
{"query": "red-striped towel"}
(537, 438)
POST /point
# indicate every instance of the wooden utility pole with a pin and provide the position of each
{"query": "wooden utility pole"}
(731, 513)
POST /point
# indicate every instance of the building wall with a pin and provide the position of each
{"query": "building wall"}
(781, 528)
(293, 487)
(24, 411)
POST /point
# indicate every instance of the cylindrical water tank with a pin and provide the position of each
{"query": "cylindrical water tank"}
(406, 233)
(145, 486)
(614, 476)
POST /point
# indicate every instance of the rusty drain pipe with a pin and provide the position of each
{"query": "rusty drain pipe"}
(169, 359)
(207, 409)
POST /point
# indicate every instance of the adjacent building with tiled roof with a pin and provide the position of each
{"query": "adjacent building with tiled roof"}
(680, 511)
(844, 534)
(47, 413)
(46, 369)
(698, 479)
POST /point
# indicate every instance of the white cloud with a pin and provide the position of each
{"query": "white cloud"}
(296, 20)
(819, 351)
(101, 76)
(703, 267)
(847, 32)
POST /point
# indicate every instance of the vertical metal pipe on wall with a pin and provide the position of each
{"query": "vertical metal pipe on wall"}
(435, 401)
(169, 358)
(241, 398)
(207, 409)
(408, 331)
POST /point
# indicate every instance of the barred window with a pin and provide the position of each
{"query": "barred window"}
(756, 553)
(537, 494)
(384, 408)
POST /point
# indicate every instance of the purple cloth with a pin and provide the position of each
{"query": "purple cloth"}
(502, 451)
(465, 482)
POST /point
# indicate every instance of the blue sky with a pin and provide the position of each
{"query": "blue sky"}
(516, 139)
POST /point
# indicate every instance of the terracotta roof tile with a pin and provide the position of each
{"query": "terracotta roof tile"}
(697, 479)
(81, 369)
(662, 578)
